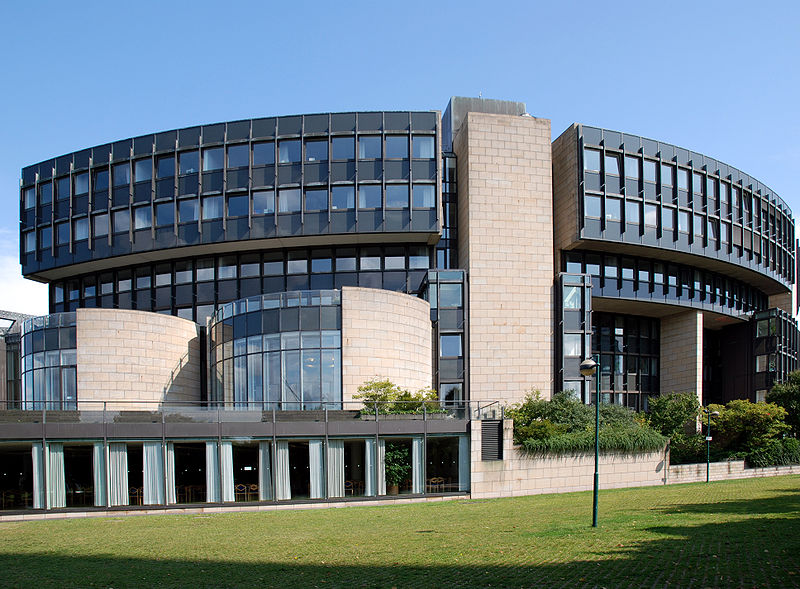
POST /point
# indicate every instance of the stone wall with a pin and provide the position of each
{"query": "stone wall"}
(505, 224)
(385, 334)
(566, 209)
(682, 353)
(136, 356)
(734, 469)
(519, 474)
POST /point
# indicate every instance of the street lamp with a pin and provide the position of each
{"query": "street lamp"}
(588, 368)
(709, 414)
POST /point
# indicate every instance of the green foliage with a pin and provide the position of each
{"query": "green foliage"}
(743, 426)
(687, 449)
(565, 425)
(787, 395)
(669, 413)
(390, 398)
(775, 453)
(398, 462)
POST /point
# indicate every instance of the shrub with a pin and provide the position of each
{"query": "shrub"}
(787, 395)
(670, 413)
(390, 398)
(775, 453)
(616, 438)
(743, 426)
(397, 459)
(686, 449)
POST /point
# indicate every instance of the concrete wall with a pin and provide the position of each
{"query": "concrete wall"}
(566, 207)
(505, 217)
(519, 474)
(682, 353)
(782, 301)
(693, 473)
(137, 356)
(385, 334)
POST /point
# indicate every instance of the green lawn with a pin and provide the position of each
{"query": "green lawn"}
(734, 533)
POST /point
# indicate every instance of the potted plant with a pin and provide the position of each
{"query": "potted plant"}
(397, 459)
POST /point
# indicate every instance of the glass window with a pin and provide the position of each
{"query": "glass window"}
(273, 268)
(297, 266)
(397, 146)
(633, 212)
(343, 197)
(165, 214)
(100, 180)
(239, 156)
(422, 147)
(238, 205)
(316, 199)
(697, 183)
(121, 174)
(80, 229)
(165, 167)
(450, 346)
(188, 162)
(649, 171)
(213, 159)
(632, 167)
(369, 196)
(45, 193)
(29, 197)
(289, 151)
(81, 183)
(263, 202)
(62, 187)
(122, 221)
(142, 170)
(30, 241)
(316, 151)
(651, 215)
(62, 233)
(572, 344)
(263, 153)
(205, 270)
(725, 234)
(370, 259)
(613, 209)
(667, 175)
(183, 272)
(212, 207)
(142, 217)
(227, 267)
(683, 179)
(572, 297)
(289, 201)
(321, 265)
(612, 164)
(667, 219)
(591, 160)
(369, 147)
(450, 295)
(424, 196)
(100, 223)
(699, 224)
(187, 210)
(683, 221)
(593, 205)
(397, 196)
(343, 148)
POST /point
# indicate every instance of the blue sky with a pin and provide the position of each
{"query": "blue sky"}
(721, 78)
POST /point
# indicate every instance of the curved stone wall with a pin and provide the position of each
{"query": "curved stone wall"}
(385, 334)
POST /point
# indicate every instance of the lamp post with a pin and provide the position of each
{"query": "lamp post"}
(588, 368)
(709, 414)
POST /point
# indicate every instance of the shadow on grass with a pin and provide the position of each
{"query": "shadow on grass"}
(779, 503)
(762, 551)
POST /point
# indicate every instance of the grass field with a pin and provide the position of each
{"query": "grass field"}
(722, 534)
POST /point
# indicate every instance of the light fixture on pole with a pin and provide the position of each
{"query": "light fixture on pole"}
(589, 367)
(709, 414)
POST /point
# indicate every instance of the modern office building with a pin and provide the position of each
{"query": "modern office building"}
(219, 293)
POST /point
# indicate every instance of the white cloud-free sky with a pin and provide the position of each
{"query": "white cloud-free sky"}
(717, 77)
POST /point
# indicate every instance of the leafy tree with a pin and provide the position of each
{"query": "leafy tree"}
(669, 413)
(743, 426)
(787, 395)
(397, 459)
(390, 398)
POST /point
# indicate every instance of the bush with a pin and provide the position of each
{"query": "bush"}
(670, 413)
(615, 438)
(743, 426)
(686, 449)
(390, 398)
(775, 453)
(397, 460)
(787, 395)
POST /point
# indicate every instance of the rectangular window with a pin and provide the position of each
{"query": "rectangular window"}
(343, 148)
(188, 162)
(649, 171)
(100, 223)
(263, 153)
(651, 215)
(450, 346)
(683, 179)
(593, 206)
(667, 219)
(62, 233)
(165, 214)
(397, 196)
(29, 197)
(289, 151)
(238, 206)
(213, 159)
(369, 147)
(187, 210)
(450, 295)
(80, 229)
(212, 207)
(343, 197)
(30, 241)
(369, 197)
(613, 209)
(633, 213)
(316, 199)
(62, 187)
(683, 221)
(612, 164)
(667, 175)
(699, 225)
(631, 167)
(100, 180)
(165, 167)
(45, 193)
(142, 217)
(591, 160)
(572, 297)
(572, 345)
(122, 221)
(121, 174)
(142, 170)
(424, 196)
(697, 183)
(397, 147)
(422, 147)
(316, 151)
(81, 184)
(289, 201)
(239, 156)
(263, 202)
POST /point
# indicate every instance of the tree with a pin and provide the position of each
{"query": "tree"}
(669, 413)
(787, 395)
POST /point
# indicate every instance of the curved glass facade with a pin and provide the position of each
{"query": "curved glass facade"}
(49, 361)
(278, 351)
(644, 192)
(341, 173)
